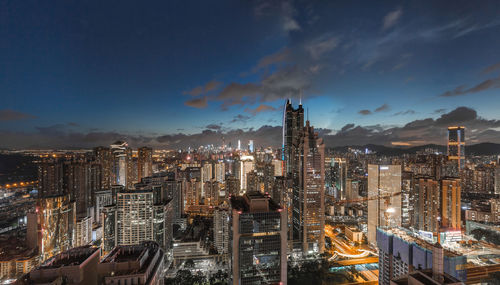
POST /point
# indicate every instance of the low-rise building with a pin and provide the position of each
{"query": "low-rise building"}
(75, 266)
(132, 264)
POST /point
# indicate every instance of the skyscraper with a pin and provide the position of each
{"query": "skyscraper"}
(144, 162)
(258, 240)
(104, 158)
(293, 128)
(221, 229)
(55, 222)
(250, 146)
(456, 145)
(438, 205)
(121, 167)
(384, 182)
(246, 165)
(309, 197)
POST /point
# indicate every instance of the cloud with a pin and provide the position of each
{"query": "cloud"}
(208, 87)
(214, 127)
(392, 18)
(287, 82)
(322, 45)
(407, 112)
(259, 109)
(365, 112)
(199, 103)
(382, 108)
(439, 111)
(240, 118)
(417, 132)
(463, 90)
(277, 57)
(288, 17)
(11, 115)
(491, 68)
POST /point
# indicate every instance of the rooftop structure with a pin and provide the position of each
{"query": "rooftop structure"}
(132, 264)
(75, 266)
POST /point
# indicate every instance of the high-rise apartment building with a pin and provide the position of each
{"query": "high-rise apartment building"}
(55, 223)
(221, 229)
(401, 252)
(232, 185)
(456, 145)
(384, 182)
(438, 205)
(246, 165)
(258, 240)
(309, 197)
(144, 162)
(451, 203)
(220, 171)
(139, 215)
(50, 178)
(104, 157)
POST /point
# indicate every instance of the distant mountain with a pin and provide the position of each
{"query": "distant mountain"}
(476, 149)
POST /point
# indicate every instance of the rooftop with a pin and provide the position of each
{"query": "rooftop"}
(72, 257)
(254, 202)
(410, 236)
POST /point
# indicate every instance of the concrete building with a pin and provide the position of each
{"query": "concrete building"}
(221, 229)
(83, 231)
(383, 181)
(140, 264)
(401, 252)
(144, 162)
(438, 205)
(75, 266)
(54, 225)
(246, 165)
(309, 199)
(353, 234)
(258, 240)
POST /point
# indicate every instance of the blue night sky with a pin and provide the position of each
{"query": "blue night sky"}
(82, 73)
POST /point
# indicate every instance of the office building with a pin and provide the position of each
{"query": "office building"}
(384, 182)
(309, 198)
(144, 162)
(250, 146)
(456, 146)
(258, 240)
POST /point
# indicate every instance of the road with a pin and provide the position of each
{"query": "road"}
(357, 261)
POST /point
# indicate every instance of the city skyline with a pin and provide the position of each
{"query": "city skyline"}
(174, 75)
